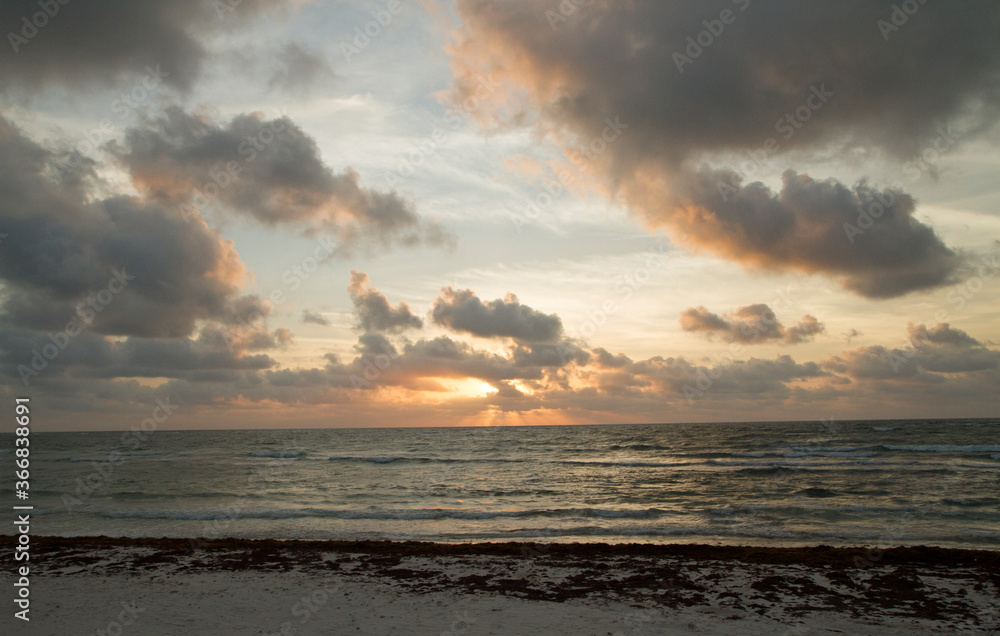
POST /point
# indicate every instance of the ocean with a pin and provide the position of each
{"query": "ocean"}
(806, 483)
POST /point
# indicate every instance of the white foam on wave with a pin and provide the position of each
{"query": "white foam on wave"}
(802, 451)
(572, 462)
(443, 460)
(807, 452)
(945, 449)
(400, 514)
(277, 455)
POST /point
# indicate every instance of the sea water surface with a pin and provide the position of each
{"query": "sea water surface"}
(807, 483)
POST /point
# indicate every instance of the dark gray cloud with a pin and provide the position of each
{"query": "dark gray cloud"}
(299, 68)
(751, 324)
(118, 266)
(271, 170)
(943, 349)
(783, 81)
(941, 334)
(375, 313)
(461, 310)
(681, 380)
(23, 357)
(933, 355)
(617, 59)
(315, 318)
(942, 363)
(803, 227)
(100, 42)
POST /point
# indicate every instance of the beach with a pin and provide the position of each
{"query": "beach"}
(105, 585)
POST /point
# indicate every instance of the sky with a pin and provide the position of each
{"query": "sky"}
(264, 214)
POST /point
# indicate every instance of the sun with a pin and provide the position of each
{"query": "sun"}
(471, 387)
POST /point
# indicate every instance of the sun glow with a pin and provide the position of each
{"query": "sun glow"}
(470, 387)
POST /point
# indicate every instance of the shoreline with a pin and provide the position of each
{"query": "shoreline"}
(811, 555)
(495, 588)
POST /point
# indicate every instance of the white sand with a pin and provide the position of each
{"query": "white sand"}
(268, 602)
(148, 590)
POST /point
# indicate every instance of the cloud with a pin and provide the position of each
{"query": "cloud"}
(934, 353)
(88, 355)
(373, 310)
(120, 266)
(943, 349)
(607, 86)
(750, 324)
(463, 311)
(93, 43)
(941, 364)
(315, 318)
(941, 334)
(271, 170)
(802, 227)
(298, 69)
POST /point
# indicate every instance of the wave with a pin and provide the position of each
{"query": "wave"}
(573, 462)
(875, 537)
(211, 494)
(854, 467)
(808, 453)
(639, 447)
(972, 503)
(841, 465)
(883, 429)
(277, 454)
(945, 449)
(401, 514)
(449, 460)
(817, 492)
(423, 460)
